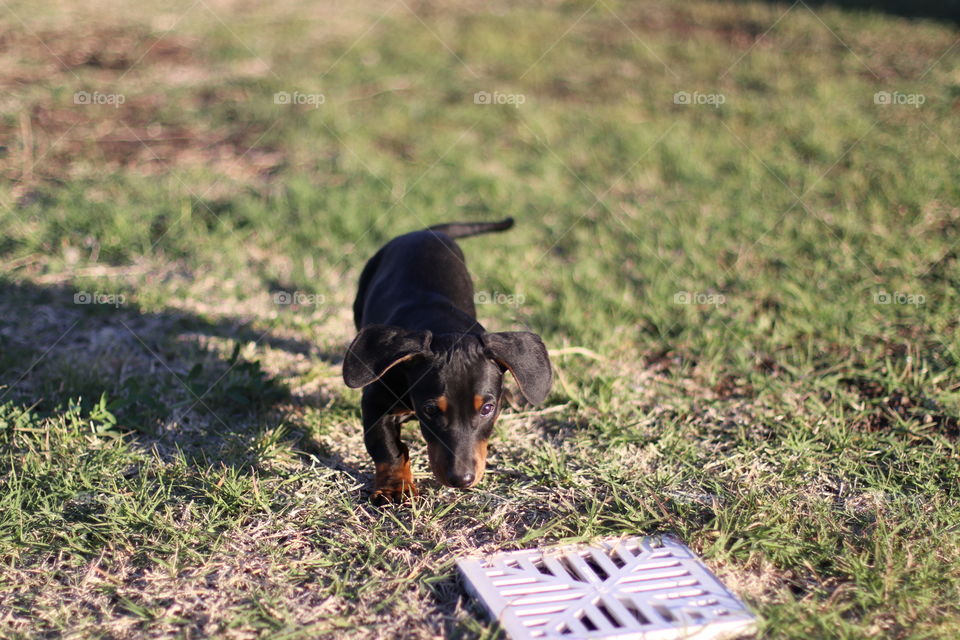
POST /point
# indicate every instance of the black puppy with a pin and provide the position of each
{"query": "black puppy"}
(422, 354)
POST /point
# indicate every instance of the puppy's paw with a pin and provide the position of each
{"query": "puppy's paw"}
(403, 492)
(393, 483)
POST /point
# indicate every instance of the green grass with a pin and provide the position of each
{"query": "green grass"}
(188, 463)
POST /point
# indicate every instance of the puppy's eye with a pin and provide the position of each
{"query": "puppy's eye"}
(431, 409)
(487, 409)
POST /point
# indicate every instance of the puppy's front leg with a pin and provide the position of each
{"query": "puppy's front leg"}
(393, 481)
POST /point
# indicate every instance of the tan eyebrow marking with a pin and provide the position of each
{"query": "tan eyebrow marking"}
(442, 403)
(478, 402)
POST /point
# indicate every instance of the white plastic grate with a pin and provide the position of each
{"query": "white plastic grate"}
(651, 588)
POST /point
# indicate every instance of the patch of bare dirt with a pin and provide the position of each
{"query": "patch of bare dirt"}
(29, 56)
(112, 117)
(686, 23)
(56, 142)
(885, 408)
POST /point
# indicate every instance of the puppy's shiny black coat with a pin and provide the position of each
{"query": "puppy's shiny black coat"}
(420, 353)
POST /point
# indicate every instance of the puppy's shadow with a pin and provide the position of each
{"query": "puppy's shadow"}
(177, 382)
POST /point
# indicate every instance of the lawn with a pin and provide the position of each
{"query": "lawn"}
(737, 229)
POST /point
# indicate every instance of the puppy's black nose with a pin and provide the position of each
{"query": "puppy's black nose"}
(461, 480)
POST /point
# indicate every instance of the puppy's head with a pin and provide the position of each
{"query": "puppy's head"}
(454, 383)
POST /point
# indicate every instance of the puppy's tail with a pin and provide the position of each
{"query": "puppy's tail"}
(466, 229)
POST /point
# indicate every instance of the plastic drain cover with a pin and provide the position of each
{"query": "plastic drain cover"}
(651, 588)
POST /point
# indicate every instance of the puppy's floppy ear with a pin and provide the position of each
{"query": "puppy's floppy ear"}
(377, 348)
(525, 356)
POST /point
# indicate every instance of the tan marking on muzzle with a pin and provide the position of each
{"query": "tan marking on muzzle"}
(480, 454)
(437, 465)
(435, 456)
